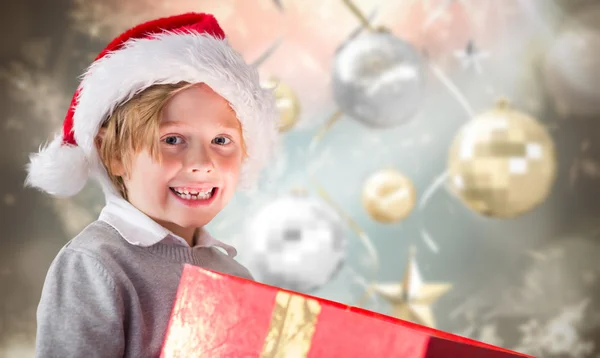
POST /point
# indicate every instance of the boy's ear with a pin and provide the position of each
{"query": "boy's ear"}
(117, 167)
(116, 163)
(99, 138)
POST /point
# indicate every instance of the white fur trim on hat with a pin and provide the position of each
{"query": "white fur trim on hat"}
(166, 58)
(60, 170)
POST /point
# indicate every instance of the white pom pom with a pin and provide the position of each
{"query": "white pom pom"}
(60, 170)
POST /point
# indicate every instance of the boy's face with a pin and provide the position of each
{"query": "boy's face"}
(201, 149)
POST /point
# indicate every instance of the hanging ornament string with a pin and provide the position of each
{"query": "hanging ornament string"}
(361, 27)
(267, 53)
(367, 295)
(452, 88)
(366, 23)
(335, 117)
(403, 49)
(367, 286)
(362, 235)
(441, 178)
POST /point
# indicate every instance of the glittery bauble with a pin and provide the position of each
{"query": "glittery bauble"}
(502, 163)
(378, 79)
(287, 103)
(295, 242)
(572, 66)
(388, 196)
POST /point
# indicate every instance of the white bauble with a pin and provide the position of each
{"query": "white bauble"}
(295, 242)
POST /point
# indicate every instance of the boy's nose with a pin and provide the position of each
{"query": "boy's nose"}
(206, 170)
(200, 162)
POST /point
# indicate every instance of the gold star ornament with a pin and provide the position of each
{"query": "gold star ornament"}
(411, 299)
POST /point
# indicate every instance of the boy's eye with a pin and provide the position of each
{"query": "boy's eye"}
(173, 140)
(221, 141)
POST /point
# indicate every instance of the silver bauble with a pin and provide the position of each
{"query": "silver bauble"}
(295, 242)
(378, 79)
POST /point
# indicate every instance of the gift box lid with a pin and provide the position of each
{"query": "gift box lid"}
(219, 315)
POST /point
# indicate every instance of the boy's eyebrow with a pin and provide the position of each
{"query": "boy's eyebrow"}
(172, 124)
(233, 126)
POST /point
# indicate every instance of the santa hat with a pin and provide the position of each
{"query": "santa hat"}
(191, 48)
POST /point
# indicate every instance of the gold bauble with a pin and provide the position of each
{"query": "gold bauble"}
(287, 103)
(388, 196)
(502, 163)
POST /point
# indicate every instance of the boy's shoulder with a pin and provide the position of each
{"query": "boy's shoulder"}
(98, 239)
(99, 247)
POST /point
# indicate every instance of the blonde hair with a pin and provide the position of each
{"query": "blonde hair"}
(133, 127)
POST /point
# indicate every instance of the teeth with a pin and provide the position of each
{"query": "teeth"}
(194, 195)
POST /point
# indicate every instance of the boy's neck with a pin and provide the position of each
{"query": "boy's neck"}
(188, 234)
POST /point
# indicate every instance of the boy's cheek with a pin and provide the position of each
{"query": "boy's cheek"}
(234, 171)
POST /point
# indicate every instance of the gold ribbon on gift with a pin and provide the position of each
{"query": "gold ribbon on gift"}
(292, 327)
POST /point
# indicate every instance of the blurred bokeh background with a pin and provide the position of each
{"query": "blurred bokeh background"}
(492, 217)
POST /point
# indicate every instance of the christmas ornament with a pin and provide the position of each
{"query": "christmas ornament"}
(388, 196)
(296, 243)
(471, 56)
(287, 103)
(502, 163)
(378, 79)
(411, 299)
(571, 66)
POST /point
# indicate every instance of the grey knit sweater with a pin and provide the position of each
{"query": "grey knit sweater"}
(104, 297)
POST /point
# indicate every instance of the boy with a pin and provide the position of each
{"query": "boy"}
(167, 119)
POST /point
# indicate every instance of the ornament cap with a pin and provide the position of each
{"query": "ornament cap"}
(383, 29)
(503, 103)
(412, 251)
(271, 83)
(299, 191)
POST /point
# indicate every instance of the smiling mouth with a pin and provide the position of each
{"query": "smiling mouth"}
(191, 194)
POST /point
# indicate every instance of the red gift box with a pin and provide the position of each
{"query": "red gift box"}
(217, 315)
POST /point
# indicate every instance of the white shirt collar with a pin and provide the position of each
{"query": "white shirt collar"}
(140, 230)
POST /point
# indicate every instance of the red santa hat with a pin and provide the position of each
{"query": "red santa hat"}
(190, 47)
